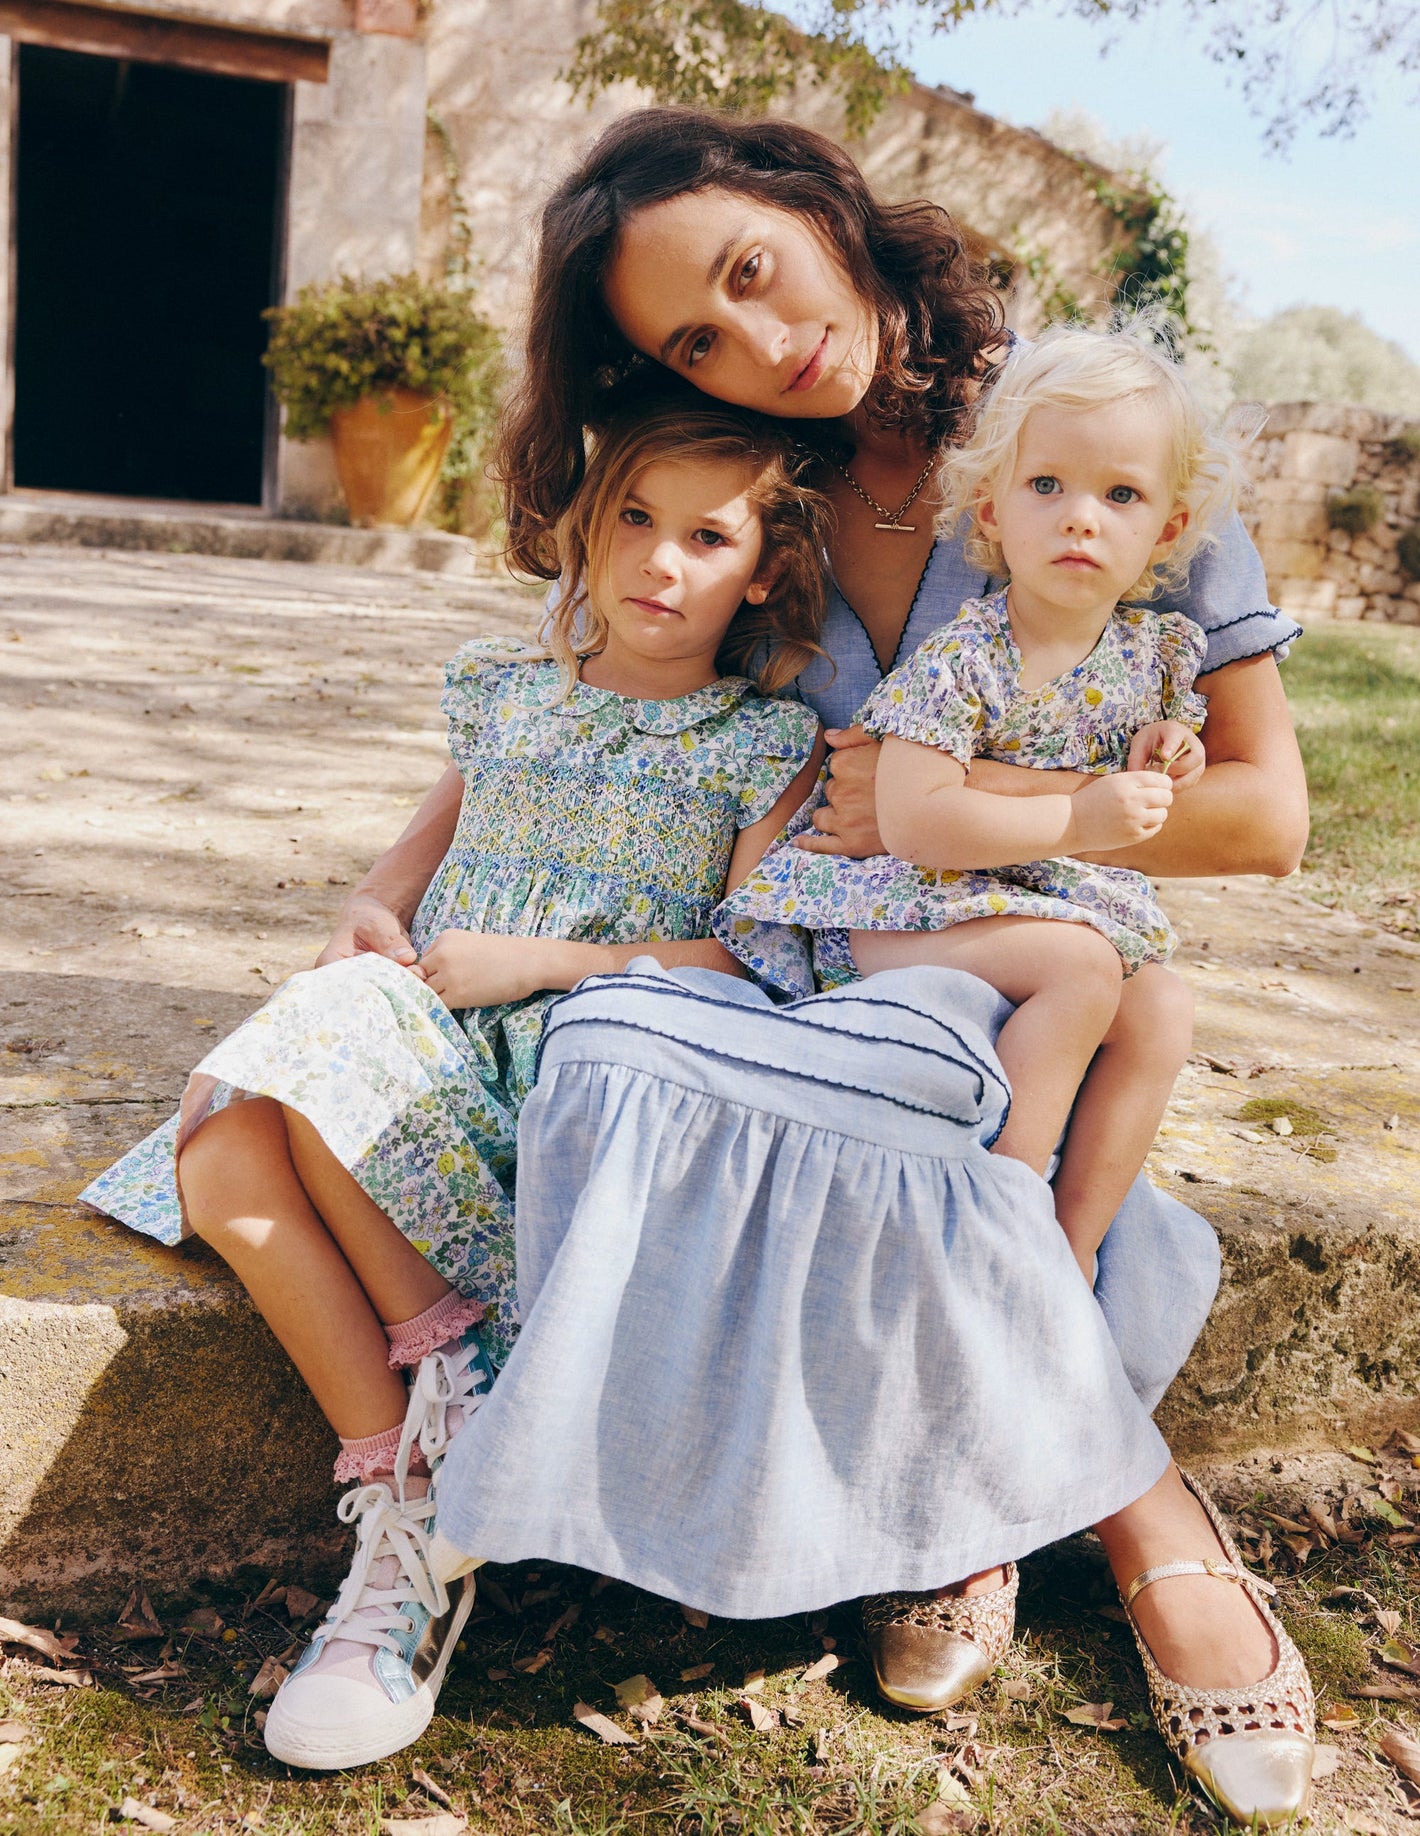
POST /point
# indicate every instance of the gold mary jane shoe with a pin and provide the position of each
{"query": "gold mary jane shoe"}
(927, 1653)
(1249, 1748)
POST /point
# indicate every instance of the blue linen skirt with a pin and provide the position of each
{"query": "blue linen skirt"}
(790, 1333)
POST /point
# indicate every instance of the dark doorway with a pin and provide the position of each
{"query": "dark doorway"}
(147, 213)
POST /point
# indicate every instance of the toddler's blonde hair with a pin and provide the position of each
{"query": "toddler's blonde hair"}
(769, 643)
(1075, 367)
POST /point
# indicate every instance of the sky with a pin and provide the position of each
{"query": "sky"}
(1334, 223)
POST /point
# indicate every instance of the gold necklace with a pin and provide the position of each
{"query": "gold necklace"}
(893, 517)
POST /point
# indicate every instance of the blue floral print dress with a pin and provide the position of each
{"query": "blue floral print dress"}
(961, 691)
(598, 818)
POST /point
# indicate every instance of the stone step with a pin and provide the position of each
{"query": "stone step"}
(195, 529)
(151, 1427)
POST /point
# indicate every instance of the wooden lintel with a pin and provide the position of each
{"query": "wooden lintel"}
(154, 39)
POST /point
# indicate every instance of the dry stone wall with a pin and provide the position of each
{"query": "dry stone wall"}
(1308, 456)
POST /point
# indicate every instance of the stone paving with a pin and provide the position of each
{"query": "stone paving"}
(199, 755)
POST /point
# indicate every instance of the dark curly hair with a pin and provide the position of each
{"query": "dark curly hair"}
(938, 318)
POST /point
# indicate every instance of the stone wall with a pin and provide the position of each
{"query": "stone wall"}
(1308, 454)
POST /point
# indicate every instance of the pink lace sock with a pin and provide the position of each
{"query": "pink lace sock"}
(373, 1458)
(433, 1330)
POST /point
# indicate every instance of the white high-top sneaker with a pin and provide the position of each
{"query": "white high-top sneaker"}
(448, 1386)
(368, 1682)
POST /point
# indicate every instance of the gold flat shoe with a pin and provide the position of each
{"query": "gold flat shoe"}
(927, 1653)
(1250, 1747)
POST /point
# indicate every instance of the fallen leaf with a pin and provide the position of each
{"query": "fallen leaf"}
(753, 1683)
(138, 1620)
(1363, 1823)
(823, 1739)
(1286, 1523)
(1388, 1620)
(761, 1719)
(694, 1617)
(66, 1679)
(429, 1788)
(825, 1667)
(532, 1664)
(696, 1672)
(1016, 1689)
(1320, 1514)
(12, 1632)
(490, 1588)
(602, 1726)
(1386, 1692)
(11, 1753)
(1402, 1752)
(1363, 1454)
(148, 1815)
(268, 1679)
(1094, 1715)
(793, 1715)
(205, 1620)
(301, 1603)
(1396, 1656)
(640, 1696)
(951, 1790)
(1325, 1760)
(942, 1820)
(165, 1673)
(1348, 1597)
(562, 1622)
(1409, 1443)
(1341, 1719)
(605, 1634)
(11, 1731)
(497, 1674)
(442, 1823)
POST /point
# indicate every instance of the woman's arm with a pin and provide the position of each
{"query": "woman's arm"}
(1248, 812)
(376, 916)
(477, 969)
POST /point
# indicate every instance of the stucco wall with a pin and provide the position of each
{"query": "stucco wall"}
(1308, 454)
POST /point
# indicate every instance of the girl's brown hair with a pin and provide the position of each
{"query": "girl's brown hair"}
(768, 643)
(937, 317)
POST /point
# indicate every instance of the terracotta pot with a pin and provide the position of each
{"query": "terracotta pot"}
(389, 450)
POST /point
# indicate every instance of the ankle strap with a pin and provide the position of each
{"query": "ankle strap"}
(1221, 1571)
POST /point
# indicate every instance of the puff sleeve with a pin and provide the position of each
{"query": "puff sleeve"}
(779, 738)
(930, 699)
(1182, 649)
(474, 682)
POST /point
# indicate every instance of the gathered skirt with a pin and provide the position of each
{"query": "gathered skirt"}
(790, 1332)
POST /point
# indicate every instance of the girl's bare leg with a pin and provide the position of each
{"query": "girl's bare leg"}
(1200, 1633)
(1120, 1106)
(244, 1196)
(1065, 980)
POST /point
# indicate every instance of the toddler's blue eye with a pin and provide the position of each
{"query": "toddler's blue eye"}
(1045, 486)
(1122, 494)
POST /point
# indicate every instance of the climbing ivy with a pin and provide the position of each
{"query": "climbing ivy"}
(1151, 263)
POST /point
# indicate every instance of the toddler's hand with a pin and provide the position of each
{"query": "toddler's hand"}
(1118, 810)
(480, 968)
(1170, 747)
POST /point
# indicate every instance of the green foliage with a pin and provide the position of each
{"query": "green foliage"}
(1151, 263)
(1319, 354)
(346, 339)
(742, 55)
(1406, 445)
(735, 55)
(1407, 552)
(1357, 510)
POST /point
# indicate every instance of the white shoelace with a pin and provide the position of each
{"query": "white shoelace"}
(367, 1614)
(443, 1381)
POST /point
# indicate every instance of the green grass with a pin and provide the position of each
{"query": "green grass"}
(1355, 694)
(507, 1752)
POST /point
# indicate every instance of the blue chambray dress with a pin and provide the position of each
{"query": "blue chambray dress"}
(597, 818)
(960, 691)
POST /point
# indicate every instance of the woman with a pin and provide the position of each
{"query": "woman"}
(753, 260)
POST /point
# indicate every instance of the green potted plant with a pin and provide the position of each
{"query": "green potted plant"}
(401, 372)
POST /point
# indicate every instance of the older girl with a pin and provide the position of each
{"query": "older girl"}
(350, 1149)
(753, 260)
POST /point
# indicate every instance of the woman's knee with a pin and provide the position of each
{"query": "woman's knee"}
(225, 1158)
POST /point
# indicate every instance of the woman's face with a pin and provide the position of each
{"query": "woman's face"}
(748, 302)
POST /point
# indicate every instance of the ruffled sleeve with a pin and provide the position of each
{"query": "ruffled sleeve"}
(475, 681)
(1182, 648)
(779, 736)
(930, 699)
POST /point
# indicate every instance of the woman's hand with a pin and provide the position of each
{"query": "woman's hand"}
(484, 969)
(1117, 810)
(367, 926)
(849, 823)
(1170, 747)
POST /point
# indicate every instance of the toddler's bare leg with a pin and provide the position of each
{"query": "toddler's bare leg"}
(1065, 980)
(1120, 1106)
(244, 1196)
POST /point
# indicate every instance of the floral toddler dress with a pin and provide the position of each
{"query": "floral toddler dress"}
(598, 818)
(961, 691)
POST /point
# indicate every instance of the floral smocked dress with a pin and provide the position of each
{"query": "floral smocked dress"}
(598, 818)
(961, 691)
